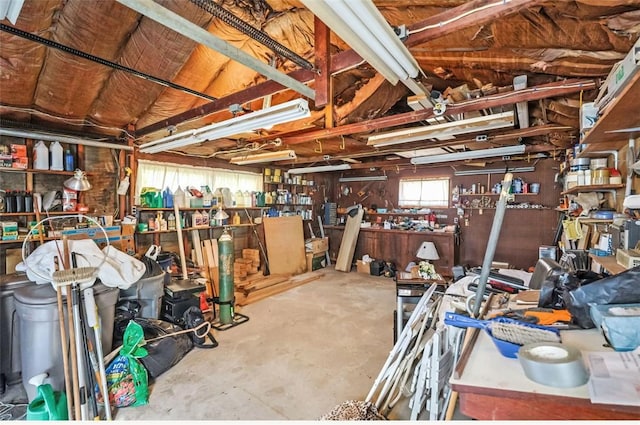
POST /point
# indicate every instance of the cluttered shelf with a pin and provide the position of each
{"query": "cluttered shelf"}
(20, 214)
(151, 232)
(609, 263)
(593, 188)
(436, 233)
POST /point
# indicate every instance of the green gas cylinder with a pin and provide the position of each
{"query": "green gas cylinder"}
(49, 405)
(225, 263)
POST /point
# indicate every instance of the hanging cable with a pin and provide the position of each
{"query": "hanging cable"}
(244, 27)
(101, 61)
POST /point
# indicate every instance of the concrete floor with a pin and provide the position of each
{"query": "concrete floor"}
(301, 353)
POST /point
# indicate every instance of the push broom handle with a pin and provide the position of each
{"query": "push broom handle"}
(183, 260)
(63, 329)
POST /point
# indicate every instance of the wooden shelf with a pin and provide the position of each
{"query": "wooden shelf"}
(147, 209)
(153, 232)
(593, 188)
(609, 263)
(33, 170)
(43, 214)
(620, 113)
(497, 194)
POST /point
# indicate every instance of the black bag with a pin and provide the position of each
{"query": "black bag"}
(556, 287)
(192, 318)
(622, 288)
(164, 352)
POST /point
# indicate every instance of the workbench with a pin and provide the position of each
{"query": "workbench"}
(493, 387)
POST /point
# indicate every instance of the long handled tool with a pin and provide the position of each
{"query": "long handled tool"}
(63, 329)
(72, 278)
(94, 321)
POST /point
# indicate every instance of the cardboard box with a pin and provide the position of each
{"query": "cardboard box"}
(362, 267)
(20, 162)
(628, 258)
(18, 151)
(315, 261)
(317, 245)
(113, 234)
(6, 161)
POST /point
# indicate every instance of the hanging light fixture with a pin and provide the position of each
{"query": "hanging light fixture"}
(279, 114)
(263, 157)
(78, 182)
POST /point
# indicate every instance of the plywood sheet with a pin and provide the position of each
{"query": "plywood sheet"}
(349, 241)
(284, 237)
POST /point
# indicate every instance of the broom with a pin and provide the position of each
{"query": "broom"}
(74, 277)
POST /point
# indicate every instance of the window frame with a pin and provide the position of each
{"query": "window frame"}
(426, 203)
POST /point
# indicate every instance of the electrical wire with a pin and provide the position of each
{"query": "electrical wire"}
(101, 61)
(462, 15)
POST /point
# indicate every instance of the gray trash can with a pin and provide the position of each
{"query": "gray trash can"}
(39, 331)
(9, 342)
(148, 291)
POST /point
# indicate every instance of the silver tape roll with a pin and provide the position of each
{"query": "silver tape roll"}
(553, 364)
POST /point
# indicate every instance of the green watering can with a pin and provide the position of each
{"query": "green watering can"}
(49, 405)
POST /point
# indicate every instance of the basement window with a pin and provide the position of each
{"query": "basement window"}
(161, 175)
(432, 192)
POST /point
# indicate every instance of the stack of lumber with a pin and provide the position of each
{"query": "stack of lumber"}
(246, 266)
(259, 287)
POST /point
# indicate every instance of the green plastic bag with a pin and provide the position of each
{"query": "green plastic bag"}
(127, 378)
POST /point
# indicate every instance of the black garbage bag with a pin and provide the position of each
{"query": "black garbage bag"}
(165, 352)
(556, 287)
(623, 288)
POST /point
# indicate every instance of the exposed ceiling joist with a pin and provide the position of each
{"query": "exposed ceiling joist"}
(171, 20)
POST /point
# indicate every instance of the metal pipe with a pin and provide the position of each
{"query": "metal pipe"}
(59, 138)
(501, 207)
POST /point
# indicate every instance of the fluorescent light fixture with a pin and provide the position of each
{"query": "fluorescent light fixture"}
(494, 171)
(10, 9)
(362, 179)
(263, 157)
(446, 131)
(457, 156)
(431, 151)
(361, 25)
(319, 169)
(284, 112)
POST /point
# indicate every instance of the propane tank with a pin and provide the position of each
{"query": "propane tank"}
(225, 264)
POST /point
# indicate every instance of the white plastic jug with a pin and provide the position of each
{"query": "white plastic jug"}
(179, 199)
(40, 156)
(57, 156)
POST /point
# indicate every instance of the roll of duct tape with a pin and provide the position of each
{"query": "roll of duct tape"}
(553, 364)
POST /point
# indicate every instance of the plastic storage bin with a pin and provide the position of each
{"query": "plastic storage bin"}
(148, 291)
(39, 331)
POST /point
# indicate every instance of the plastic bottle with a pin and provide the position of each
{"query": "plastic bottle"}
(167, 198)
(40, 156)
(236, 218)
(69, 161)
(179, 198)
(28, 202)
(196, 219)
(57, 156)
(9, 202)
(19, 201)
(171, 222)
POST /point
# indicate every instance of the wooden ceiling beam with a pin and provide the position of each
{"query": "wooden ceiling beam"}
(504, 138)
(322, 81)
(560, 88)
(458, 16)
